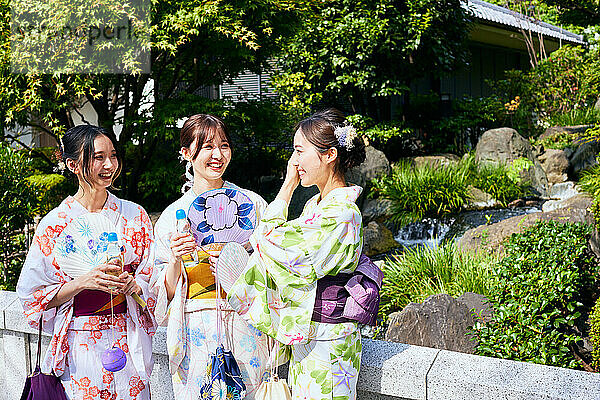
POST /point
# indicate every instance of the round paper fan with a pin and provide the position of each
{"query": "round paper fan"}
(231, 264)
(222, 216)
(82, 245)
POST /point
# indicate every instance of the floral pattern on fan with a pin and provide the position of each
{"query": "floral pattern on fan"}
(83, 242)
(222, 216)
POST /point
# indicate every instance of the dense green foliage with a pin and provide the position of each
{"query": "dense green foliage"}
(553, 91)
(358, 53)
(595, 335)
(17, 207)
(421, 272)
(50, 190)
(543, 287)
(232, 36)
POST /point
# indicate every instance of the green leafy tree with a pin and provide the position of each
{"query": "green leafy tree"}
(362, 52)
(193, 45)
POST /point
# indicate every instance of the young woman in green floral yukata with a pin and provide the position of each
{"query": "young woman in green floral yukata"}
(277, 291)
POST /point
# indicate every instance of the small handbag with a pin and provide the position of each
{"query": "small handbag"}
(274, 388)
(223, 378)
(39, 386)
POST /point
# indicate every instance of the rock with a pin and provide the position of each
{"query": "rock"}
(377, 210)
(441, 160)
(597, 105)
(584, 156)
(492, 236)
(556, 165)
(516, 203)
(560, 194)
(377, 239)
(479, 306)
(375, 165)
(504, 145)
(480, 200)
(440, 322)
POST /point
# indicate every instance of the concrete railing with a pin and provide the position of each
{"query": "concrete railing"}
(389, 370)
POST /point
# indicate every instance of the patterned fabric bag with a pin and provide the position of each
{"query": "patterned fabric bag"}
(223, 378)
(40, 386)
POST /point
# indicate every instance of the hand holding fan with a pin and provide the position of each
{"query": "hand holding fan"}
(222, 216)
(84, 244)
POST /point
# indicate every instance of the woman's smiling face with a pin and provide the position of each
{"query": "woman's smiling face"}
(308, 161)
(103, 165)
(212, 159)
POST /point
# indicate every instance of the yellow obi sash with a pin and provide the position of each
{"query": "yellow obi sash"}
(201, 281)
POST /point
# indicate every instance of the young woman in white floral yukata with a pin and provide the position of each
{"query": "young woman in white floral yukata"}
(77, 312)
(276, 293)
(185, 289)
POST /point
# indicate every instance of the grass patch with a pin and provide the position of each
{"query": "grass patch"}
(423, 191)
(421, 272)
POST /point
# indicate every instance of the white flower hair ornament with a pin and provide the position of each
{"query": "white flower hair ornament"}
(345, 135)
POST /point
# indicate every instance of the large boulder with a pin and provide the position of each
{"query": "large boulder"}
(492, 236)
(504, 145)
(556, 165)
(479, 200)
(377, 239)
(375, 165)
(585, 156)
(379, 210)
(441, 322)
(582, 154)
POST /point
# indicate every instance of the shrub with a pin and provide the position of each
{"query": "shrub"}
(589, 180)
(560, 141)
(423, 191)
(542, 283)
(421, 272)
(17, 207)
(595, 335)
(50, 190)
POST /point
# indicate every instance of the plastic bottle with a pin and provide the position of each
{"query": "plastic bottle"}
(183, 226)
(113, 253)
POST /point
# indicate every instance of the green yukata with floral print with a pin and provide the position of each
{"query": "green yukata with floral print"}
(276, 293)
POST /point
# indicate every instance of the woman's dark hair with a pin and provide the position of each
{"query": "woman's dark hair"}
(78, 144)
(319, 130)
(202, 127)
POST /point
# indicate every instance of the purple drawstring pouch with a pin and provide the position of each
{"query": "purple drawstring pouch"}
(39, 386)
(349, 297)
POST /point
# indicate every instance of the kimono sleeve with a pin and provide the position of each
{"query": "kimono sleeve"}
(41, 278)
(316, 244)
(144, 271)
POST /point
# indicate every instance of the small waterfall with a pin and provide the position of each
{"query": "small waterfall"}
(431, 231)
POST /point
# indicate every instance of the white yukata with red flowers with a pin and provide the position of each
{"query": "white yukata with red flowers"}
(78, 342)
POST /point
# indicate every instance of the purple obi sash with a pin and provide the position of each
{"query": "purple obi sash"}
(97, 302)
(349, 297)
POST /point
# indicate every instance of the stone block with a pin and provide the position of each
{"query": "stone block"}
(6, 299)
(15, 364)
(394, 369)
(160, 380)
(455, 376)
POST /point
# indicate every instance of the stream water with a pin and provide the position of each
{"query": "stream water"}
(431, 231)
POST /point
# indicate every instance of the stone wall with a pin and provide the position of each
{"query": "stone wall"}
(389, 370)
